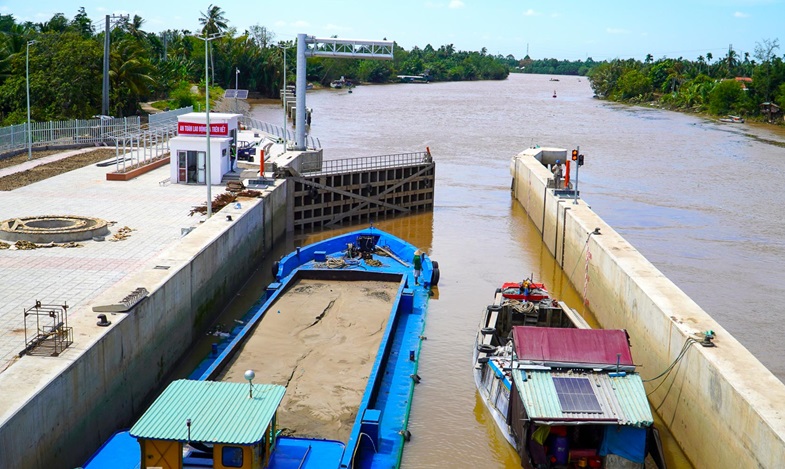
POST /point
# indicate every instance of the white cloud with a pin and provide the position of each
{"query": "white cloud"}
(740, 14)
(301, 24)
(280, 24)
(456, 4)
(530, 12)
(616, 31)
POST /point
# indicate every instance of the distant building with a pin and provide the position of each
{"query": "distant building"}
(769, 109)
(189, 149)
(744, 81)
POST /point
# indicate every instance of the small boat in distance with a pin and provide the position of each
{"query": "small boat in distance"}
(338, 84)
(562, 394)
(414, 78)
(732, 119)
(337, 336)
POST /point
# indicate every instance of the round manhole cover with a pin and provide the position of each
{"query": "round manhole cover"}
(53, 228)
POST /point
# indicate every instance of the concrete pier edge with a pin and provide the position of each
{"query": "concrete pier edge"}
(55, 411)
(723, 407)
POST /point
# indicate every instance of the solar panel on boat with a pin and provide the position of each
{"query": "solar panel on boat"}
(576, 395)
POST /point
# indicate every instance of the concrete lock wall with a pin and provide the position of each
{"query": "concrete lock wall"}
(723, 407)
(111, 374)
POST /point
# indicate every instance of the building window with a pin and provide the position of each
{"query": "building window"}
(232, 456)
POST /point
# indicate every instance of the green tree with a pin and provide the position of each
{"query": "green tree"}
(633, 84)
(213, 22)
(764, 51)
(129, 72)
(726, 97)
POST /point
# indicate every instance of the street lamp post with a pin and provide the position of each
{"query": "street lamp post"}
(27, 82)
(236, 78)
(285, 110)
(207, 38)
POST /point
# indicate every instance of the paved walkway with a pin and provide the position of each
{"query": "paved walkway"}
(76, 275)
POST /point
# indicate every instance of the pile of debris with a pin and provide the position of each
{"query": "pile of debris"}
(222, 200)
(23, 245)
(122, 234)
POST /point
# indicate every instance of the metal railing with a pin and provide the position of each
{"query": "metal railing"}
(73, 132)
(166, 116)
(278, 132)
(370, 163)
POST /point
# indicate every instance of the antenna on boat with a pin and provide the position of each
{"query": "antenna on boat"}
(250, 375)
(188, 424)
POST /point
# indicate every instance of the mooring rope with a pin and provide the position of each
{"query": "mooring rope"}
(519, 306)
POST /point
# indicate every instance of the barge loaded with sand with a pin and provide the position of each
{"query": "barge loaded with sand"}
(336, 340)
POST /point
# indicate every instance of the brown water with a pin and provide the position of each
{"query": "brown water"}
(699, 199)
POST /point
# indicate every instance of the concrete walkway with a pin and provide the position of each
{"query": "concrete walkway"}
(156, 213)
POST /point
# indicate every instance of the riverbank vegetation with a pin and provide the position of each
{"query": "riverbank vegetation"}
(66, 65)
(749, 87)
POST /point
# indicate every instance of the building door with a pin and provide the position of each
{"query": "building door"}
(201, 168)
(182, 166)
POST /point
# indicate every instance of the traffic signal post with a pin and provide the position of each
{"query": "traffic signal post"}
(578, 159)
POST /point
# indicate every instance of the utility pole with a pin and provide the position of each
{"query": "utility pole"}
(105, 100)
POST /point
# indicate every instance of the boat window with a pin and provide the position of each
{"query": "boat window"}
(232, 456)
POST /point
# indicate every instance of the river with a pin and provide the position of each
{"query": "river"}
(698, 198)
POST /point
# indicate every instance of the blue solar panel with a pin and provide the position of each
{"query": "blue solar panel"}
(576, 395)
(239, 94)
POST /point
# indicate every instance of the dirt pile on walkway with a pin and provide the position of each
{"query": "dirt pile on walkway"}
(45, 171)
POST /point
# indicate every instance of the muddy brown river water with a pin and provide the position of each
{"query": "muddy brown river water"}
(700, 199)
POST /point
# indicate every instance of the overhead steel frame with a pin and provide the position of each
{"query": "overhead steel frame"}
(310, 46)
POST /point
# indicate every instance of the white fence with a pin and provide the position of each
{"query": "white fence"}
(278, 131)
(162, 118)
(74, 132)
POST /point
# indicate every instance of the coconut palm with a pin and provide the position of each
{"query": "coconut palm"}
(213, 22)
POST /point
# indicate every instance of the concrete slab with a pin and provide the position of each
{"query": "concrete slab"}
(156, 214)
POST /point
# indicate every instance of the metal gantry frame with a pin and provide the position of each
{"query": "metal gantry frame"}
(311, 46)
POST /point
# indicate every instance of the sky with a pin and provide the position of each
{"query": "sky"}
(573, 30)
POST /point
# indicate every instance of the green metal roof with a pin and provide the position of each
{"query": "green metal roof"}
(219, 412)
(622, 399)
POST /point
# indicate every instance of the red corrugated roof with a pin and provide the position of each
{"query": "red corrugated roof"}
(569, 345)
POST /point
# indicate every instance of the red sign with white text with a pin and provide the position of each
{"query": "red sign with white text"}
(190, 128)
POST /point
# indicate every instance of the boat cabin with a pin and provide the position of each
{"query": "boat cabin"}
(208, 424)
(575, 400)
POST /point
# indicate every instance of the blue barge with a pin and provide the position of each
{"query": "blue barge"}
(219, 419)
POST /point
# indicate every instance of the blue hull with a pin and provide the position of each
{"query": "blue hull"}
(378, 434)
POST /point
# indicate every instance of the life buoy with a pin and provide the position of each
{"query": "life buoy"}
(276, 265)
(435, 277)
(488, 330)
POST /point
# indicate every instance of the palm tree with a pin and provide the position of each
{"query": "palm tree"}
(130, 74)
(213, 22)
(709, 56)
